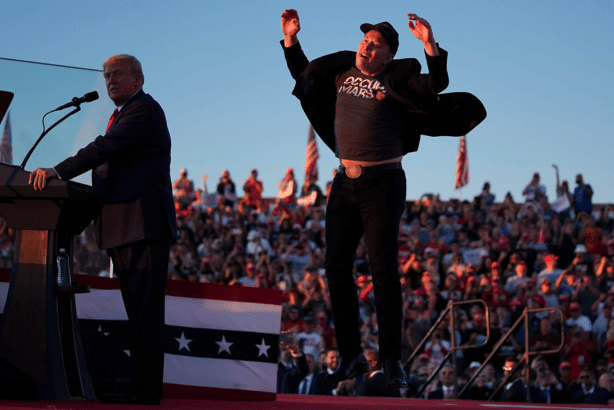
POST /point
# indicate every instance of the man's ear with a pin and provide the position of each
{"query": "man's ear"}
(389, 58)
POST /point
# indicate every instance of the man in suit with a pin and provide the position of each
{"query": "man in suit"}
(374, 383)
(136, 223)
(292, 368)
(551, 390)
(308, 384)
(321, 387)
(445, 385)
(516, 391)
(587, 391)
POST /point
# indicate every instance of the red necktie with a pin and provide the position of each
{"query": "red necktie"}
(112, 119)
(102, 169)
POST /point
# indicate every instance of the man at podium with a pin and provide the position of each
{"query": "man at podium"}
(131, 180)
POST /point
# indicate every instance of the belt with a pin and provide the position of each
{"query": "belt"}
(354, 171)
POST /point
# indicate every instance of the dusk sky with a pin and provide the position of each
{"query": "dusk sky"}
(543, 69)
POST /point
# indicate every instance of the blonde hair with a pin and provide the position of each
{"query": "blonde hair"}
(135, 65)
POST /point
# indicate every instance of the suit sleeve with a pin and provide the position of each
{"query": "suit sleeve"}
(131, 130)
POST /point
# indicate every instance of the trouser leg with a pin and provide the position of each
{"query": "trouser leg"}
(343, 231)
(141, 269)
(382, 206)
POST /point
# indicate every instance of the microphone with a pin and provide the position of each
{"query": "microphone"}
(89, 97)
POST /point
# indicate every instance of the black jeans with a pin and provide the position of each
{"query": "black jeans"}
(372, 205)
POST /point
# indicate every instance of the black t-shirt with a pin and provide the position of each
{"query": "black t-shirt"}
(367, 120)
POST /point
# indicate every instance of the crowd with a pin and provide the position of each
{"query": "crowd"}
(537, 252)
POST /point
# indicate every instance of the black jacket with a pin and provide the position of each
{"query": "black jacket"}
(428, 112)
(136, 194)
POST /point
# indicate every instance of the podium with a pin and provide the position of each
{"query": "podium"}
(39, 334)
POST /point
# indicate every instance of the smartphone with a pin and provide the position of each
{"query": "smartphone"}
(287, 336)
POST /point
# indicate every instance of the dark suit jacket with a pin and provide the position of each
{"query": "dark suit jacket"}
(319, 386)
(517, 392)
(312, 387)
(288, 379)
(435, 395)
(600, 395)
(438, 392)
(426, 112)
(136, 196)
(374, 385)
(479, 393)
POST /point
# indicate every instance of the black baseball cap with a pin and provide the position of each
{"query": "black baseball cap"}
(387, 31)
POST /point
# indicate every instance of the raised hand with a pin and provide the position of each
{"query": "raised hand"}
(290, 26)
(421, 29)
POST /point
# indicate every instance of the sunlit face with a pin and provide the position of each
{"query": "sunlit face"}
(372, 359)
(373, 54)
(508, 367)
(520, 270)
(332, 359)
(121, 83)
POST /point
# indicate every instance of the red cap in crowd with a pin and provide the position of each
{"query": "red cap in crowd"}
(550, 258)
(565, 365)
(541, 301)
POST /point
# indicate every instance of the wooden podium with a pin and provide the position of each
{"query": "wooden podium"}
(39, 333)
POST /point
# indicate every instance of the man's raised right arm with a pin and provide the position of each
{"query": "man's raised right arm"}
(295, 58)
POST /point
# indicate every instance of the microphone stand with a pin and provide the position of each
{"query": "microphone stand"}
(77, 109)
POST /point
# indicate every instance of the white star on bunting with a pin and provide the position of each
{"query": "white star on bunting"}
(262, 349)
(100, 330)
(183, 342)
(224, 345)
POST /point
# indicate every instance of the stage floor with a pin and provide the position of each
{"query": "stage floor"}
(293, 402)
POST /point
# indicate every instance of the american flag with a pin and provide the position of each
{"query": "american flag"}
(311, 156)
(220, 341)
(462, 165)
(6, 144)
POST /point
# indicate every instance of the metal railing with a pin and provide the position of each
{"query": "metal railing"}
(522, 320)
(450, 309)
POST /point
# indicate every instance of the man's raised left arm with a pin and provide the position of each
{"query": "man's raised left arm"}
(422, 30)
